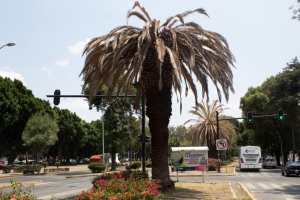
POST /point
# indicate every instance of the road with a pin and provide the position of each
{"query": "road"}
(54, 185)
(267, 184)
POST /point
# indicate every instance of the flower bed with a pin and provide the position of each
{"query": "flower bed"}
(118, 187)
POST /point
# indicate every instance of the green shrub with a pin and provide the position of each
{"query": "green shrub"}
(7, 169)
(57, 164)
(134, 165)
(45, 164)
(96, 167)
(212, 168)
(225, 163)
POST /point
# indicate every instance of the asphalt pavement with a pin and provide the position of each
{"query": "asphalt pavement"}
(81, 170)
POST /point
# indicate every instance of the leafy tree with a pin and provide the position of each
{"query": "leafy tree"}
(40, 133)
(117, 120)
(205, 128)
(17, 105)
(296, 9)
(177, 137)
(277, 92)
(70, 135)
(158, 58)
(92, 139)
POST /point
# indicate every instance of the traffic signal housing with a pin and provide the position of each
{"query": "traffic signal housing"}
(56, 100)
(147, 138)
(140, 138)
(249, 117)
(97, 99)
(280, 114)
(144, 138)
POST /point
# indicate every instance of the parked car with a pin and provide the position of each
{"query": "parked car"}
(73, 161)
(269, 162)
(86, 160)
(291, 168)
(2, 164)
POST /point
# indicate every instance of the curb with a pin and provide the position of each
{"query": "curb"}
(247, 191)
(87, 175)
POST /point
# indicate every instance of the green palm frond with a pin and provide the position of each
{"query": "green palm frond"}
(204, 128)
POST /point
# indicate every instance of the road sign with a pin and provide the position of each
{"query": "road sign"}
(221, 144)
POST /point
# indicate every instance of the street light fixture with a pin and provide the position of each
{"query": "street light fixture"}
(8, 44)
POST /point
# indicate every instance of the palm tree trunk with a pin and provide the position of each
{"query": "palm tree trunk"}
(159, 111)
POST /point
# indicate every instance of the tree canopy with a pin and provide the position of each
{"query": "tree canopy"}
(40, 133)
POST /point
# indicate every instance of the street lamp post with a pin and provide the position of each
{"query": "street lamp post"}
(8, 44)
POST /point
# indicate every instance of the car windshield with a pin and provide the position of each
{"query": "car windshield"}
(293, 163)
(270, 160)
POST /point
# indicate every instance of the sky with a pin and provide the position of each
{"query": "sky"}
(50, 36)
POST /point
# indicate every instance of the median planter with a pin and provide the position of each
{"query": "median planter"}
(6, 169)
(45, 171)
(67, 169)
(96, 167)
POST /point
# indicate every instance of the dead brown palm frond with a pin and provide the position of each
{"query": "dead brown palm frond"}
(137, 4)
(190, 49)
(137, 14)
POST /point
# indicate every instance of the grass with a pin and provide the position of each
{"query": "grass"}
(220, 191)
(207, 191)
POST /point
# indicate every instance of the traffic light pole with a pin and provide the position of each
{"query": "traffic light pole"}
(218, 134)
(143, 118)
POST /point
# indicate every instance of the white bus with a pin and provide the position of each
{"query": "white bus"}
(250, 158)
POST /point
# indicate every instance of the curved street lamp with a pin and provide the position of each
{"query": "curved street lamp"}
(8, 44)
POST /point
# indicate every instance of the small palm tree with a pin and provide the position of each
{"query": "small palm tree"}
(157, 58)
(204, 129)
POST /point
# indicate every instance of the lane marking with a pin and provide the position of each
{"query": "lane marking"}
(250, 185)
(263, 185)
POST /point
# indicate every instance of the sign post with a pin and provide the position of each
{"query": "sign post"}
(189, 159)
(221, 144)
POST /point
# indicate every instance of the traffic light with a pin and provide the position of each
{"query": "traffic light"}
(140, 138)
(147, 138)
(280, 114)
(97, 99)
(56, 100)
(249, 117)
(144, 138)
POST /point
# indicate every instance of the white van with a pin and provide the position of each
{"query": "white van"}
(250, 158)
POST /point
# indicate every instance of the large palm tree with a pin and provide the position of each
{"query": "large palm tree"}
(158, 58)
(204, 129)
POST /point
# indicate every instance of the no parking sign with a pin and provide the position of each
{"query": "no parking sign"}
(221, 144)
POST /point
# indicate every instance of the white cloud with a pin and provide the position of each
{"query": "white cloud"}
(62, 62)
(47, 70)
(78, 47)
(13, 75)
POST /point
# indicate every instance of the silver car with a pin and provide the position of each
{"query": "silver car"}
(269, 162)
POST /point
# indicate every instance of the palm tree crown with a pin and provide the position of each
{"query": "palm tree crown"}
(204, 129)
(191, 50)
